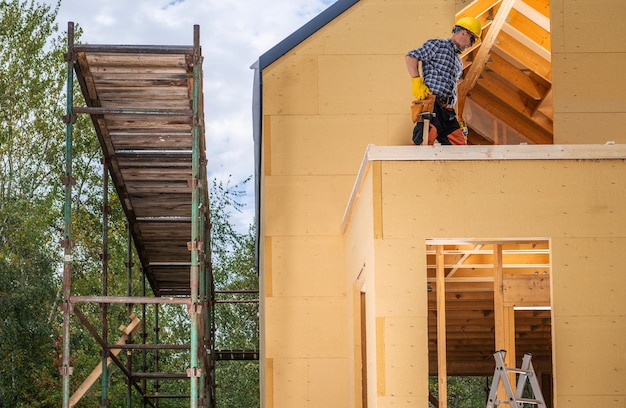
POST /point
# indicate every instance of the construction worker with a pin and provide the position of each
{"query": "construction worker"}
(442, 68)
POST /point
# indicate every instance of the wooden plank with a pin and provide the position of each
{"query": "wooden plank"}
(506, 92)
(441, 330)
(136, 60)
(538, 13)
(537, 31)
(494, 153)
(482, 56)
(522, 55)
(532, 87)
(521, 122)
(129, 330)
(528, 290)
(503, 317)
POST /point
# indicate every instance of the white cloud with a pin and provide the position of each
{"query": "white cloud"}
(233, 35)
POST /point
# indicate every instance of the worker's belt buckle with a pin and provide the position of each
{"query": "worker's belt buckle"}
(446, 101)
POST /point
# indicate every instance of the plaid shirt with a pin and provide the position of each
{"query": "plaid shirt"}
(441, 66)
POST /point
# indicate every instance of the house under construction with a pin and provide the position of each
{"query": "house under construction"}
(383, 263)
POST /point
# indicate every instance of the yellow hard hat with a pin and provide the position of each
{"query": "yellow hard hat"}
(471, 24)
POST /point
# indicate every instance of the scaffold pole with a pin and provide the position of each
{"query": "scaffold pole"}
(195, 306)
(66, 242)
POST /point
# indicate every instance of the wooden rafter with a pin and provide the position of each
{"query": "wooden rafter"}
(508, 75)
(483, 52)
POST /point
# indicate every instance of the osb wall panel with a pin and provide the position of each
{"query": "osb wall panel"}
(292, 259)
(401, 303)
(592, 401)
(447, 199)
(589, 269)
(316, 389)
(359, 268)
(315, 145)
(287, 393)
(588, 84)
(590, 356)
(311, 327)
(327, 381)
(405, 347)
(400, 277)
(306, 205)
(378, 27)
(290, 86)
(580, 26)
(363, 84)
(359, 235)
(589, 325)
(590, 127)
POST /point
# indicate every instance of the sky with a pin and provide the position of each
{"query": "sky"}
(233, 35)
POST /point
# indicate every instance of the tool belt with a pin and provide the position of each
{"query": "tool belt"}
(446, 101)
(419, 106)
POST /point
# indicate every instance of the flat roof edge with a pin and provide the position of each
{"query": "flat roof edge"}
(608, 151)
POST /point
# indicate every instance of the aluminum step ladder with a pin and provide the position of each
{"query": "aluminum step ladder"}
(515, 399)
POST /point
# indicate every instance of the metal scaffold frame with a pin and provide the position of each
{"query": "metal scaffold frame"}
(180, 122)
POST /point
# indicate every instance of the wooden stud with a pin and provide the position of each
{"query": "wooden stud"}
(442, 372)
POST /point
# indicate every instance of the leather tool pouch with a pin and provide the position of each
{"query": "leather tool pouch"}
(425, 105)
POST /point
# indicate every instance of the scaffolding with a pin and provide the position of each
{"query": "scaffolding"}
(145, 103)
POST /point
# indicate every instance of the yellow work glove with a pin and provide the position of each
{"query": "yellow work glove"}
(420, 90)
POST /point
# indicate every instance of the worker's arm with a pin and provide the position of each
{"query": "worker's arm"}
(419, 89)
(412, 65)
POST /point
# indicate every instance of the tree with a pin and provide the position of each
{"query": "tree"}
(463, 392)
(31, 83)
(32, 149)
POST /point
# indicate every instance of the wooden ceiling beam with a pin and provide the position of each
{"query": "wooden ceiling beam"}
(523, 110)
(527, 42)
(518, 52)
(518, 101)
(524, 83)
(523, 124)
(546, 106)
(533, 14)
(479, 9)
(523, 39)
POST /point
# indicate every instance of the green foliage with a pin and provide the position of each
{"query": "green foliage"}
(33, 77)
(237, 324)
(31, 83)
(463, 392)
(31, 132)
(27, 301)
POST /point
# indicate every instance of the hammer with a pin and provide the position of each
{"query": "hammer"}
(427, 116)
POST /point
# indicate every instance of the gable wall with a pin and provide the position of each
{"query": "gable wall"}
(346, 87)
(342, 89)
